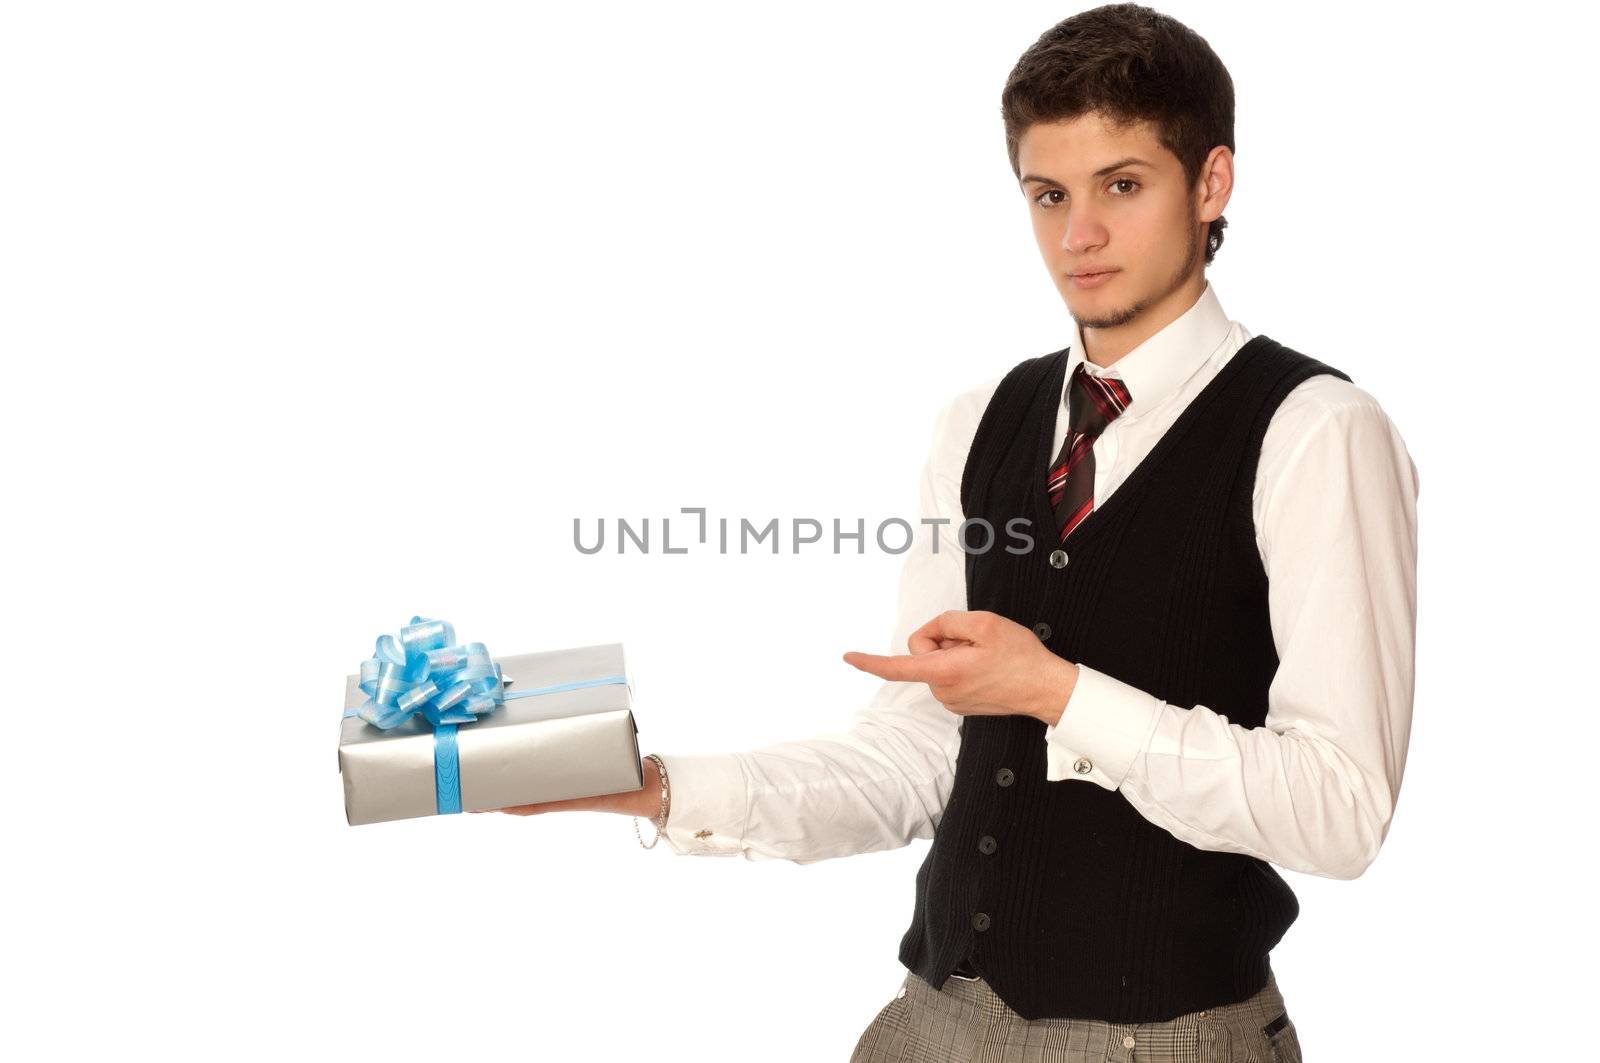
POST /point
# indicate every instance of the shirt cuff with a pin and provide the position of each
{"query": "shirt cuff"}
(707, 813)
(1107, 723)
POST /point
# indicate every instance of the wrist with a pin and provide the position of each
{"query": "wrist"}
(1061, 678)
(648, 805)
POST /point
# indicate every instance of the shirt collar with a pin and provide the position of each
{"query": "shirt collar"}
(1154, 369)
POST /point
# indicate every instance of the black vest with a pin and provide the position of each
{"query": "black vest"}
(1077, 906)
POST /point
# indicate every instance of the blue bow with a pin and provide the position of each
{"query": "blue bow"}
(426, 672)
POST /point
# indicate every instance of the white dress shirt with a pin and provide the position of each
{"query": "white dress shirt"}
(1312, 791)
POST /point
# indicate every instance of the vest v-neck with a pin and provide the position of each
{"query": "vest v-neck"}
(1054, 381)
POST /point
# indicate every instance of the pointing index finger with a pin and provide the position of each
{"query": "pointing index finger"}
(903, 668)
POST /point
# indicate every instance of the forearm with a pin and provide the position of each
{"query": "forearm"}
(875, 786)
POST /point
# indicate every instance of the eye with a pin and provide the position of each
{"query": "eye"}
(1125, 181)
(1047, 192)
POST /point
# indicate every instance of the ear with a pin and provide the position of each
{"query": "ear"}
(1214, 187)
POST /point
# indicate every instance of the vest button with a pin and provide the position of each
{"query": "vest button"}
(1042, 629)
(1005, 776)
(1058, 559)
(986, 845)
(980, 921)
(1082, 766)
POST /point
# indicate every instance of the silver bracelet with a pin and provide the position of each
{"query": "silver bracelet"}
(666, 797)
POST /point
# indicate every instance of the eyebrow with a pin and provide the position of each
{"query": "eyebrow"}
(1120, 164)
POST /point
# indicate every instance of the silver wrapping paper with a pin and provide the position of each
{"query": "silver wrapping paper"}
(573, 743)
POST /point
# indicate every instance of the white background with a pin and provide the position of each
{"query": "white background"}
(316, 316)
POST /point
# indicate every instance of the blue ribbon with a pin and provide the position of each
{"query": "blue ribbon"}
(449, 684)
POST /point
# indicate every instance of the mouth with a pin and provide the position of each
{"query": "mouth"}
(1091, 280)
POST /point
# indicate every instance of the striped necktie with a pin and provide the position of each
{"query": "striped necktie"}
(1093, 402)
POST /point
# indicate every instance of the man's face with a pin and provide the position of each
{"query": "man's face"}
(1093, 209)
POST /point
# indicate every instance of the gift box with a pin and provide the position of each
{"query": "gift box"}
(537, 727)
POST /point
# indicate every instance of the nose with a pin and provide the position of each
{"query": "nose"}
(1083, 232)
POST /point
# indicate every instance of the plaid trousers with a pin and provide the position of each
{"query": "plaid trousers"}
(967, 1023)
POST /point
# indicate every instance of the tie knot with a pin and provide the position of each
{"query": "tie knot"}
(1094, 401)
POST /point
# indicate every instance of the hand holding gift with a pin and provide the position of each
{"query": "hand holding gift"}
(431, 727)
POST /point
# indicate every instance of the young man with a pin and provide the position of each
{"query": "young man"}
(1198, 665)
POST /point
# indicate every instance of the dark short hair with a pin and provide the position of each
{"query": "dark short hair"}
(1130, 64)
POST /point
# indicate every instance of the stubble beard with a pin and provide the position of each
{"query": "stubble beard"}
(1116, 318)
